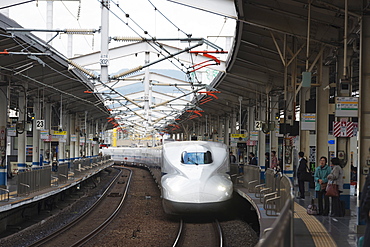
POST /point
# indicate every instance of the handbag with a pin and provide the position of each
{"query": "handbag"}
(312, 208)
(332, 189)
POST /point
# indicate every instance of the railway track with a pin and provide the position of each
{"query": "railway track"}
(199, 234)
(96, 218)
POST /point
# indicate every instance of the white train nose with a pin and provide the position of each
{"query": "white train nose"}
(182, 189)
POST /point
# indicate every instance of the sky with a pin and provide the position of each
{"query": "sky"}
(86, 14)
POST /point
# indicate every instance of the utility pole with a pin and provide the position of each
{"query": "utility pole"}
(104, 57)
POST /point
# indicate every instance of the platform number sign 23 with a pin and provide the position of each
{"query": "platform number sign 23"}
(40, 124)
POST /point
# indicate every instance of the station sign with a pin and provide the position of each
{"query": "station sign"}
(73, 137)
(11, 131)
(59, 133)
(308, 121)
(346, 107)
(44, 135)
(253, 136)
(238, 136)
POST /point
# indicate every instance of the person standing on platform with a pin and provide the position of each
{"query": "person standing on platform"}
(267, 160)
(365, 209)
(252, 159)
(321, 180)
(302, 174)
(274, 161)
(232, 158)
(336, 177)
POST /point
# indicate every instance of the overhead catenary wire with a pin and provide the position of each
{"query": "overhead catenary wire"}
(146, 33)
(16, 4)
(156, 43)
(178, 29)
(78, 20)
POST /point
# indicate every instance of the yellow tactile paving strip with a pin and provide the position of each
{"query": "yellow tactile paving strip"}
(319, 234)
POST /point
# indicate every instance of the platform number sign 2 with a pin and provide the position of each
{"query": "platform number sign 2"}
(40, 124)
(257, 125)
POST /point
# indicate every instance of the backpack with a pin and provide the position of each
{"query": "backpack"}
(312, 208)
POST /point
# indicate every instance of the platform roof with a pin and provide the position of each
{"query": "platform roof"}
(25, 58)
(270, 33)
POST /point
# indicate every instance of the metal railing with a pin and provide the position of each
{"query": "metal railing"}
(39, 178)
(81, 165)
(33, 180)
(4, 194)
(277, 202)
(63, 173)
(281, 232)
(252, 177)
(269, 186)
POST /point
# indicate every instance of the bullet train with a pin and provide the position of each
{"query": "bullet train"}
(193, 175)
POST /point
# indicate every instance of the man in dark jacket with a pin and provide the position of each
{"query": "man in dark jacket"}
(302, 173)
(252, 159)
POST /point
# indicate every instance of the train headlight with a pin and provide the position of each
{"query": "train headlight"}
(221, 188)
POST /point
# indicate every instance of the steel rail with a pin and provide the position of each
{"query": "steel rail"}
(65, 228)
(180, 233)
(109, 219)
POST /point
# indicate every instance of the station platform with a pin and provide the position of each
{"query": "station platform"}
(16, 201)
(311, 230)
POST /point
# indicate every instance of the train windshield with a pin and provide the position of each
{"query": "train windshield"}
(196, 158)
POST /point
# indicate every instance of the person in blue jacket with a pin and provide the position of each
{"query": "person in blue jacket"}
(321, 180)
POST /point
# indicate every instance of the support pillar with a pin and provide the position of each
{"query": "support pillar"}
(262, 143)
(226, 130)
(274, 141)
(251, 118)
(47, 144)
(3, 119)
(35, 135)
(72, 138)
(104, 52)
(61, 144)
(364, 112)
(22, 135)
(96, 142)
(288, 146)
(233, 123)
(220, 134)
(78, 136)
(88, 139)
(343, 143)
(322, 115)
(49, 19)
(304, 135)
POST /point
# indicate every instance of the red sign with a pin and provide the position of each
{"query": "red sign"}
(251, 143)
(343, 129)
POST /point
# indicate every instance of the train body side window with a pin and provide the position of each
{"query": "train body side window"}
(196, 158)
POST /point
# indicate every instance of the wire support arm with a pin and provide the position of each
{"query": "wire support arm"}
(125, 73)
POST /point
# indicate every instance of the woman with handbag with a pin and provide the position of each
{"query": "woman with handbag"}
(321, 181)
(335, 187)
